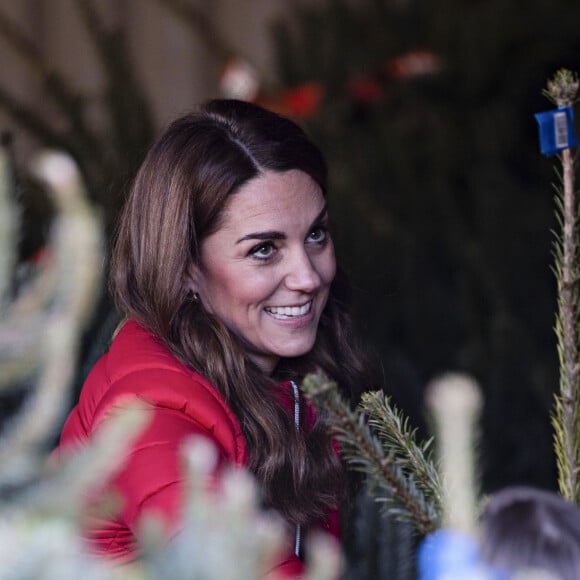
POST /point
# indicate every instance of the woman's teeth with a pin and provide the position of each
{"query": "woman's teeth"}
(289, 311)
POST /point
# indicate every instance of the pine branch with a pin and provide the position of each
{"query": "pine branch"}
(393, 430)
(76, 243)
(562, 91)
(390, 483)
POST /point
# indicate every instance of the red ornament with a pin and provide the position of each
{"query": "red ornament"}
(304, 101)
(299, 102)
(365, 89)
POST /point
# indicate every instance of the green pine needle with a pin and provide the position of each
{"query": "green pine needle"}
(563, 88)
(400, 474)
(393, 430)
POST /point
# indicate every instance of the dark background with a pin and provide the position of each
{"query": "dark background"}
(443, 204)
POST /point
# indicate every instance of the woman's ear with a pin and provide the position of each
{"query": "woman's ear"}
(192, 278)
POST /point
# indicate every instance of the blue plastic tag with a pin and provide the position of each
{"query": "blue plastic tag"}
(451, 555)
(556, 130)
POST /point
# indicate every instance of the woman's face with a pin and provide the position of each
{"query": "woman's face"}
(266, 272)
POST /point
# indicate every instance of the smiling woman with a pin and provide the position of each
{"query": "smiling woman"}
(269, 286)
(225, 269)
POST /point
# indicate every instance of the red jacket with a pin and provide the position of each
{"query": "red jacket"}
(184, 404)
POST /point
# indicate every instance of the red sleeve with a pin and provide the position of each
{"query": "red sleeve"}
(152, 478)
(292, 567)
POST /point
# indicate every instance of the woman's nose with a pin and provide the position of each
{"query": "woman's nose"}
(302, 273)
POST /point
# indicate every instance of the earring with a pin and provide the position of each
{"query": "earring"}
(195, 297)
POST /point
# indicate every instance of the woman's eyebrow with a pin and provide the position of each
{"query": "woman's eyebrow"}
(263, 236)
(321, 215)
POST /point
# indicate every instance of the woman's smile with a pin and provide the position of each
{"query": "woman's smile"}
(266, 272)
(289, 312)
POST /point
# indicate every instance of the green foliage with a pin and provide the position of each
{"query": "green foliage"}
(399, 474)
(225, 534)
(562, 91)
(394, 432)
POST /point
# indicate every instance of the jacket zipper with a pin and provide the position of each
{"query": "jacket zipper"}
(296, 394)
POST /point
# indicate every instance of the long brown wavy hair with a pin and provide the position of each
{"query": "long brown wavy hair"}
(176, 201)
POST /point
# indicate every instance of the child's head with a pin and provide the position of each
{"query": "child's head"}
(525, 528)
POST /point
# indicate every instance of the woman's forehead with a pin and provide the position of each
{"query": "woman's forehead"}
(274, 198)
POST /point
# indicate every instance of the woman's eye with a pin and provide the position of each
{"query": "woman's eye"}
(318, 235)
(263, 251)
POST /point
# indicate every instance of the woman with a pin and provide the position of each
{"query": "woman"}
(225, 270)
